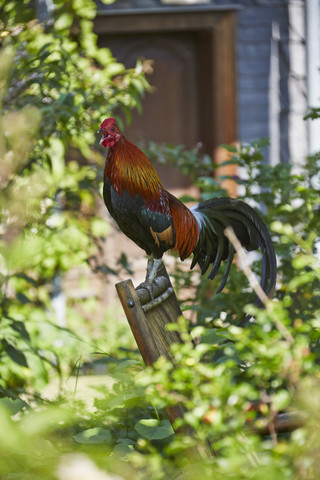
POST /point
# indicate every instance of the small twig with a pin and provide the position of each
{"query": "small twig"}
(243, 257)
(253, 281)
(272, 429)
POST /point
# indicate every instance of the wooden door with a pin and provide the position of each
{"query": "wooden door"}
(171, 111)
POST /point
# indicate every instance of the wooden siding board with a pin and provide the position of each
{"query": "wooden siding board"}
(249, 82)
(252, 50)
(258, 15)
(257, 98)
(253, 66)
(251, 132)
(256, 35)
(253, 113)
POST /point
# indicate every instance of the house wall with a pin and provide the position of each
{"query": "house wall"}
(313, 69)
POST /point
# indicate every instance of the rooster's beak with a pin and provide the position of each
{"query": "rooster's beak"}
(104, 136)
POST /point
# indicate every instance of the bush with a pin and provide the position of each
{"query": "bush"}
(231, 381)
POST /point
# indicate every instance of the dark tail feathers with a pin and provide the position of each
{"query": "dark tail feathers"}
(213, 217)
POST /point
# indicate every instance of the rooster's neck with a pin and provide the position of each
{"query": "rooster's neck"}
(128, 168)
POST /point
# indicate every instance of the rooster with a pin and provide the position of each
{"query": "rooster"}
(157, 221)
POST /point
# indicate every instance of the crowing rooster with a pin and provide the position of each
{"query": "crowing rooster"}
(157, 221)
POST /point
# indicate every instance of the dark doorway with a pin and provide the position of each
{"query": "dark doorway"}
(172, 112)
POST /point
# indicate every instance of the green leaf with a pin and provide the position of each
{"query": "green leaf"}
(99, 227)
(13, 405)
(281, 400)
(229, 148)
(63, 22)
(19, 327)
(56, 153)
(233, 161)
(95, 435)
(85, 8)
(123, 400)
(16, 355)
(297, 282)
(214, 336)
(303, 261)
(121, 449)
(22, 298)
(154, 429)
(27, 278)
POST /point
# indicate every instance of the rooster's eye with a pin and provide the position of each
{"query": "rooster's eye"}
(112, 129)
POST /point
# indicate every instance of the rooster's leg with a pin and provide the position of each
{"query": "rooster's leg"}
(149, 265)
(152, 269)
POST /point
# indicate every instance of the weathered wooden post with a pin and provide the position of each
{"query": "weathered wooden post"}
(148, 319)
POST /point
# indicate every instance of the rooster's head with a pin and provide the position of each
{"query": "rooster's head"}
(110, 132)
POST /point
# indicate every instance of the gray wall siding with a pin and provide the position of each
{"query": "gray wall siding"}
(258, 84)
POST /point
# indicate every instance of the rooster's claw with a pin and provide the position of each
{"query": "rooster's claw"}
(148, 287)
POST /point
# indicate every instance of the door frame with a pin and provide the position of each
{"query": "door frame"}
(218, 25)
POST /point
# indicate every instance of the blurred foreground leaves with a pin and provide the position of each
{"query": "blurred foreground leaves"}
(56, 86)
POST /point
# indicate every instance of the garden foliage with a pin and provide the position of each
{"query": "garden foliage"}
(55, 89)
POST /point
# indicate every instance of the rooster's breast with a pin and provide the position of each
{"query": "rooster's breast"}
(129, 213)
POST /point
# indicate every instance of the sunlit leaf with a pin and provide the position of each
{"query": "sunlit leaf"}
(95, 435)
(13, 405)
(154, 429)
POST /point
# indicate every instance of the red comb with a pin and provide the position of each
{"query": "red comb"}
(108, 122)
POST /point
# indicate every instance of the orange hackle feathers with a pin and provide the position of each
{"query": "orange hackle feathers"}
(129, 169)
(185, 226)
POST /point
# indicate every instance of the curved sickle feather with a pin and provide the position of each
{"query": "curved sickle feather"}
(218, 259)
(216, 215)
(227, 269)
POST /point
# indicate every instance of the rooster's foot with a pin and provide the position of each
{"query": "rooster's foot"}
(152, 270)
(160, 299)
(146, 285)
